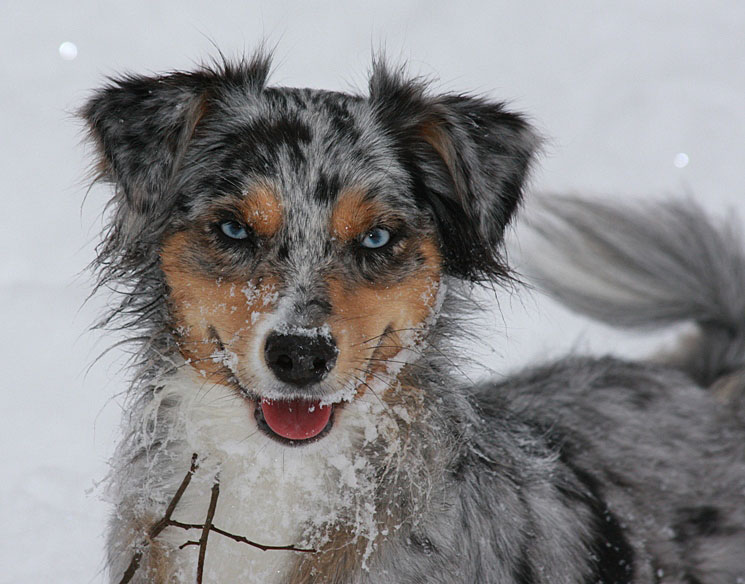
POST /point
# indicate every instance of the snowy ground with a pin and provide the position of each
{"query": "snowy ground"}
(621, 90)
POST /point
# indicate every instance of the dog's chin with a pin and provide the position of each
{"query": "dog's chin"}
(278, 421)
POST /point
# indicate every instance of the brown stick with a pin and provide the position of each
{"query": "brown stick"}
(239, 539)
(207, 527)
(159, 526)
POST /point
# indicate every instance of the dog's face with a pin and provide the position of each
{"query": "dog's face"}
(303, 236)
(304, 267)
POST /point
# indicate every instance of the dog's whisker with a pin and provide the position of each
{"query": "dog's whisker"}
(363, 382)
(390, 332)
(384, 379)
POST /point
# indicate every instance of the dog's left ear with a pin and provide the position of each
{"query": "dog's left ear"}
(142, 127)
(468, 159)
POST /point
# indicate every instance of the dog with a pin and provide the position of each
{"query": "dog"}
(295, 268)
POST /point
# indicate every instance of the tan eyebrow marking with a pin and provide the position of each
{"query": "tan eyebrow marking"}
(353, 214)
(262, 210)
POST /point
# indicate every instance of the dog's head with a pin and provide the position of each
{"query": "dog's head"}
(303, 235)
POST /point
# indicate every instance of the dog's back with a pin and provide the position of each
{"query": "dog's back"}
(659, 448)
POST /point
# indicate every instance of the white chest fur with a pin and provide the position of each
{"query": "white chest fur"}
(269, 493)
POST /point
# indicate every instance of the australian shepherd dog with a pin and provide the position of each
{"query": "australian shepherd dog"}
(295, 267)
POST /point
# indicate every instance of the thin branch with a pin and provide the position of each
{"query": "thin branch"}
(132, 568)
(159, 526)
(207, 527)
(155, 530)
(240, 539)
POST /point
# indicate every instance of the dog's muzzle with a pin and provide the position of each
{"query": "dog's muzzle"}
(300, 359)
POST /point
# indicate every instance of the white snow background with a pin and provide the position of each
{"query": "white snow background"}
(621, 89)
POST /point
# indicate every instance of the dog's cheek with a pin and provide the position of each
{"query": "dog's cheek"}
(213, 319)
(378, 321)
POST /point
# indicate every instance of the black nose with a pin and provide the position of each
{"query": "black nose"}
(300, 359)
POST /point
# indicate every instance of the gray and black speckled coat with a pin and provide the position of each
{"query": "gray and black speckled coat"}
(589, 471)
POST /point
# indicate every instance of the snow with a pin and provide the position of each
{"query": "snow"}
(635, 98)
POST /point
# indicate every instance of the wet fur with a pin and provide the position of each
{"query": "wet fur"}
(583, 470)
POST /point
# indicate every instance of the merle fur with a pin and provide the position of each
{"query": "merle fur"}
(592, 471)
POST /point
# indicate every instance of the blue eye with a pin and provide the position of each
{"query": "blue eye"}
(233, 230)
(376, 238)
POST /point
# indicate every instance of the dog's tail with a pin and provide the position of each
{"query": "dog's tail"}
(645, 266)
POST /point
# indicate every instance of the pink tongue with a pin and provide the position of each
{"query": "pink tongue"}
(296, 419)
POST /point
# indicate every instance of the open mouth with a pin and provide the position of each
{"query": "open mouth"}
(294, 422)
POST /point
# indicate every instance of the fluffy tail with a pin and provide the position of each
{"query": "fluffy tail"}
(645, 266)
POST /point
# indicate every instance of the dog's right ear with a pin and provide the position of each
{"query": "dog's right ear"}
(142, 127)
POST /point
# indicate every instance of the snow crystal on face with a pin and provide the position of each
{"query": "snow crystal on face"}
(346, 394)
(270, 298)
(250, 292)
(227, 358)
(323, 331)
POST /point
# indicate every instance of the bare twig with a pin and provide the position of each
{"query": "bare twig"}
(239, 539)
(159, 526)
(206, 528)
(155, 530)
